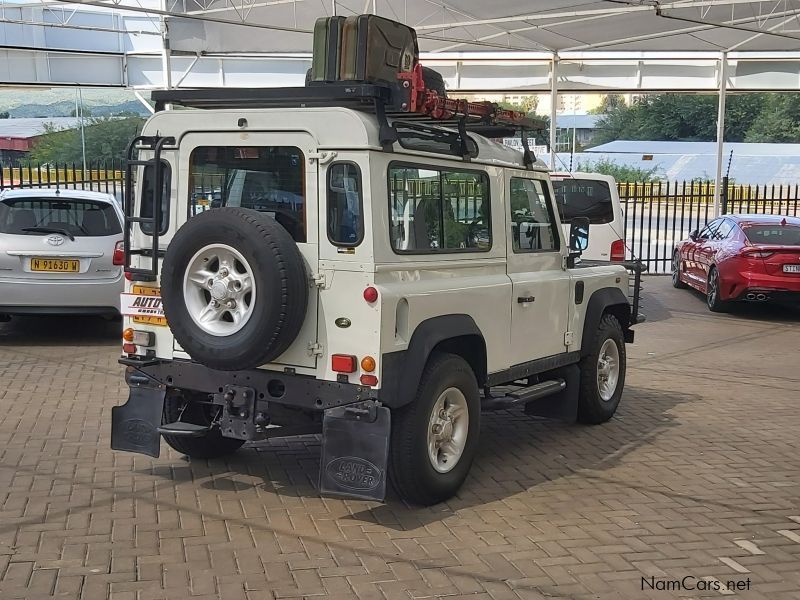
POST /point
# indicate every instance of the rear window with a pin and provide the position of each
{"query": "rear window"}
(780, 235)
(75, 217)
(583, 198)
(269, 179)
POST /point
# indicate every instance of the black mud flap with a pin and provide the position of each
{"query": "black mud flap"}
(134, 425)
(355, 451)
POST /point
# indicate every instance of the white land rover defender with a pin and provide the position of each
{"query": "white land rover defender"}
(355, 258)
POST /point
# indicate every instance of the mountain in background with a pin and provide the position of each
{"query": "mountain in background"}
(61, 102)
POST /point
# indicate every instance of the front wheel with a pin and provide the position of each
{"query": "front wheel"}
(434, 438)
(602, 372)
(713, 292)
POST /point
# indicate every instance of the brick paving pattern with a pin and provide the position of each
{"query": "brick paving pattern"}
(697, 476)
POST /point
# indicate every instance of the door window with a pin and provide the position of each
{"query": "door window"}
(588, 198)
(724, 230)
(533, 228)
(269, 179)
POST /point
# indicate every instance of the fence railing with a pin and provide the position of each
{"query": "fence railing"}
(659, 214)
(100, 176)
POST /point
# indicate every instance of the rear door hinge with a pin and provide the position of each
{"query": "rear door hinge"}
(569, 338)
(314, 349)
(322, 157)
(319, 280)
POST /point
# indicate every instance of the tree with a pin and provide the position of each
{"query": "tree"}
(683, 117)
(84, 112)
(779, 121)
(5, 115)
(106, 139)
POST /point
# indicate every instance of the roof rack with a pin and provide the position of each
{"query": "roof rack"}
(428, 109)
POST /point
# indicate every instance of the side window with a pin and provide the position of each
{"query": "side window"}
(707, 232)
(269, 179)
(148, 197)
(434, 210)
(724, 230)
(345, 219)
(533, 227)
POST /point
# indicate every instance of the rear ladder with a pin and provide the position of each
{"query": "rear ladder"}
(156, 144)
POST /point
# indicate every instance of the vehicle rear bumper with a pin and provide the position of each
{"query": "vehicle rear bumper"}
(739, 285)
(21, 296)
(270, 387)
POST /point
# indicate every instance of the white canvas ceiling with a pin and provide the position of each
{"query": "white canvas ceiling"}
(507, 25)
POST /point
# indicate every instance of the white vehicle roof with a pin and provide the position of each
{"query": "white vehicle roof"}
(60, 193)
(333, 127)
(583, 175)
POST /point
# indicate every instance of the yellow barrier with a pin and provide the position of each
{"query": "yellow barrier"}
(23, 175)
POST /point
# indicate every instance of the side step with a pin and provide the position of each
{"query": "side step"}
(180, 428)
(523, 395)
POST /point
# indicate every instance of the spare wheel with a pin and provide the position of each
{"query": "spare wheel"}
(234, 288)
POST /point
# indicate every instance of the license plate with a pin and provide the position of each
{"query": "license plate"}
(143, 305)
(791, 268)
(55, 265)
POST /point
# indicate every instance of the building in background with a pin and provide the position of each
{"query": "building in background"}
(17, 136)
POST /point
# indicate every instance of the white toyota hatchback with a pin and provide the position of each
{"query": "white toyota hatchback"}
(60, 253)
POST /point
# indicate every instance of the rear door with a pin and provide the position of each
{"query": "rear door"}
(58, 238)
(273, 173)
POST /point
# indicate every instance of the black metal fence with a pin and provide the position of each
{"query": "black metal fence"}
(99, 176)
(658, 214)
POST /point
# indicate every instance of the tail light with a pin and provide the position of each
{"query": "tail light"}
(618, 250)
(369, 380)
(343, 363)
(370, 294)
(756, 253)
(118, 258)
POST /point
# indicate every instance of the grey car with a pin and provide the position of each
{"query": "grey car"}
(60, 253)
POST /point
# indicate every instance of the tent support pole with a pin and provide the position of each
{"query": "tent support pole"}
(723, 87)
(553, 109)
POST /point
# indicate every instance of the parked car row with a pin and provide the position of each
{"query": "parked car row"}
(61, 250)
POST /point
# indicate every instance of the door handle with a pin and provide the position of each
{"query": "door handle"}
(525, 299)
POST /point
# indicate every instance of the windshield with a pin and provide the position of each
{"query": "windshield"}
(584, 198)
(773, 234)
(69, 216)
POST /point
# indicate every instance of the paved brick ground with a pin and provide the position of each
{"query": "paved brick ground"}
(697, 476)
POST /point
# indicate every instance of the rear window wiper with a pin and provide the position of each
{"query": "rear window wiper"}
(50, 230)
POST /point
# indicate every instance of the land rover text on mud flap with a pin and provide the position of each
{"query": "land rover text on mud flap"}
(355, 257)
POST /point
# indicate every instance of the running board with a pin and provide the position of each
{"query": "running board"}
(523, 395)
(182, 429)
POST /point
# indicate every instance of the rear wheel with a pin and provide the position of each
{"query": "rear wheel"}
(713, 291)
(210, 445)
(676, 272)
(434, 438)
(602, 373)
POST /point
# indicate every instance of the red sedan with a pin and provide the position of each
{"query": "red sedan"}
(741, 257)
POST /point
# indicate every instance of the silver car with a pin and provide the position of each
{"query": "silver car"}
(60, 253)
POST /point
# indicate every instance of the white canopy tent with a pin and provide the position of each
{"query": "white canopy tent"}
(508, 45)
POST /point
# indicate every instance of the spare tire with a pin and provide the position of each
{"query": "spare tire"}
(234, 288)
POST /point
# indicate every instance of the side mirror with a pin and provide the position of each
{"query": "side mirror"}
(694, 235)
(579, 235)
